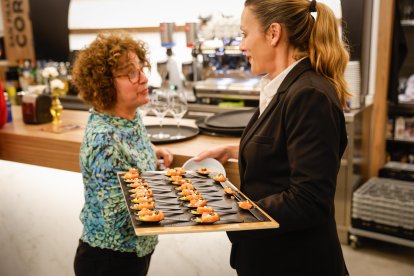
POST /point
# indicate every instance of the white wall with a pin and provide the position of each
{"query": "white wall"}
(142, 13)
(96, 14)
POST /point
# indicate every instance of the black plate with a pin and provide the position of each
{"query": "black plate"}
(172, 130)
(215, 131)
(235, 119)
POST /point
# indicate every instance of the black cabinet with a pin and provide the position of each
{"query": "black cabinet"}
(50, 29)
(400, 130)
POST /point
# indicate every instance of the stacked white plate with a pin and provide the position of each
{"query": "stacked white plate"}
(353, 79)
(385, 201)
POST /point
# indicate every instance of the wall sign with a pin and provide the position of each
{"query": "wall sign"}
(18, 35)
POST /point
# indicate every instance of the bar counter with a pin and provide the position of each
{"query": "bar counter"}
(30, 144)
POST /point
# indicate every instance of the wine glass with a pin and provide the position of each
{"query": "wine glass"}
(178, 107)
(160, 103)
(144, 109)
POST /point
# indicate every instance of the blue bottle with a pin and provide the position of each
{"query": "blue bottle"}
(9, 108)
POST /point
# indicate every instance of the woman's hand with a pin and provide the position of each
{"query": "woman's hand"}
(164, 154)
(222, 153)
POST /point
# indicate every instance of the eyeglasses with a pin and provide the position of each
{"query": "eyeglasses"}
(134, 75)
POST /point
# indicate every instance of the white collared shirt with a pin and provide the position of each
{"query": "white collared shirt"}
(268, 87)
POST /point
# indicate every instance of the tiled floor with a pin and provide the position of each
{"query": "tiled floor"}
(177, 255)
(40, 227)
(377, 258)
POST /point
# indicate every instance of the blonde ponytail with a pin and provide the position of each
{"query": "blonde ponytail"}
(319, 38)
(327, 52)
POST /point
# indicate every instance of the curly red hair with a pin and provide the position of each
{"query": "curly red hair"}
(94, 67)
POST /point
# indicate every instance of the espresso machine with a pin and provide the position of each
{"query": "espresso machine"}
(169, 70)
(221, 71)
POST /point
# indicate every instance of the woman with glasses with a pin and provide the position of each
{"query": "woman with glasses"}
(289, 154)
(109, 76)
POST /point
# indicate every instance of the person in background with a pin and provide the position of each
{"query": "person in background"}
(109, 75)
(289, 154)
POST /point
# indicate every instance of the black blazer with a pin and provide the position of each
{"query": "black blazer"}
(289, 159)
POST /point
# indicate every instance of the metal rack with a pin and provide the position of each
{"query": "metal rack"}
(351, 171)
(383, 209)
(355, 233)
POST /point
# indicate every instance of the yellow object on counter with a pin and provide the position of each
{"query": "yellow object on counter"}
(232, 104)
(11, 93)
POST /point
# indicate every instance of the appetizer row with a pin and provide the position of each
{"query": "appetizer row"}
(143, 197)
(176, 177)
(187, 192)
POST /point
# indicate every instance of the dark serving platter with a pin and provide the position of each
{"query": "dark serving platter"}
(179, 217)
(215, 131)
(234, 119)
(185, 133)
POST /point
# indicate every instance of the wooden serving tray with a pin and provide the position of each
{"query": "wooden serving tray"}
(178, 217)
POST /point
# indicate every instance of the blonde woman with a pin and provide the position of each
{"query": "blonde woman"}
(289, 155)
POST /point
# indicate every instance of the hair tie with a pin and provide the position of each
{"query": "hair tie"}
(312, 7)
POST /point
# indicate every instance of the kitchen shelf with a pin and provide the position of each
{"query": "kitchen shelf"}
(400, 142)
(403, 109)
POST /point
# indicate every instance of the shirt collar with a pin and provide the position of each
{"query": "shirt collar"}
(269, 87)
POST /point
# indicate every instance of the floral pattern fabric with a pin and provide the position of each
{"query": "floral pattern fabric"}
(112, 144)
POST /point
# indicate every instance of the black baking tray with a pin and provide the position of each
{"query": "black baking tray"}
(167, 199)
(376, 227)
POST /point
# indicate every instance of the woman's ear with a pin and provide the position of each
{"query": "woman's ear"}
(275, 30)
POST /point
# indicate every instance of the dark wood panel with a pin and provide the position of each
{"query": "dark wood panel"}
(50, 29)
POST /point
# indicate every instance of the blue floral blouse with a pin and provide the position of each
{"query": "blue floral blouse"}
(112, 144)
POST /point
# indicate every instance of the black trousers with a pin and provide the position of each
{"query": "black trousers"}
(92, 261)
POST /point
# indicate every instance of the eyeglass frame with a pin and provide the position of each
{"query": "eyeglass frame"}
(139, 71)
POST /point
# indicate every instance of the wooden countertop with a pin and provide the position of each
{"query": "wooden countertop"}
(30, 144)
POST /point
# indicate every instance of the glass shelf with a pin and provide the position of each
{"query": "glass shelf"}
(407, 22)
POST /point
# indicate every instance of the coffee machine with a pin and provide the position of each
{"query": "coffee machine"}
(169, 70)
(221, 71)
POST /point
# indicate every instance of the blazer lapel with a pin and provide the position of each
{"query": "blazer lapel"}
(248, 127)
(256, 121)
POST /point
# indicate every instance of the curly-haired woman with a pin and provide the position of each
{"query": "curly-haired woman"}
(109, 76)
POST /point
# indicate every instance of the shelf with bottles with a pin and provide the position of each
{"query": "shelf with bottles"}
(29, 74)
(400, 136)
(400, 129)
